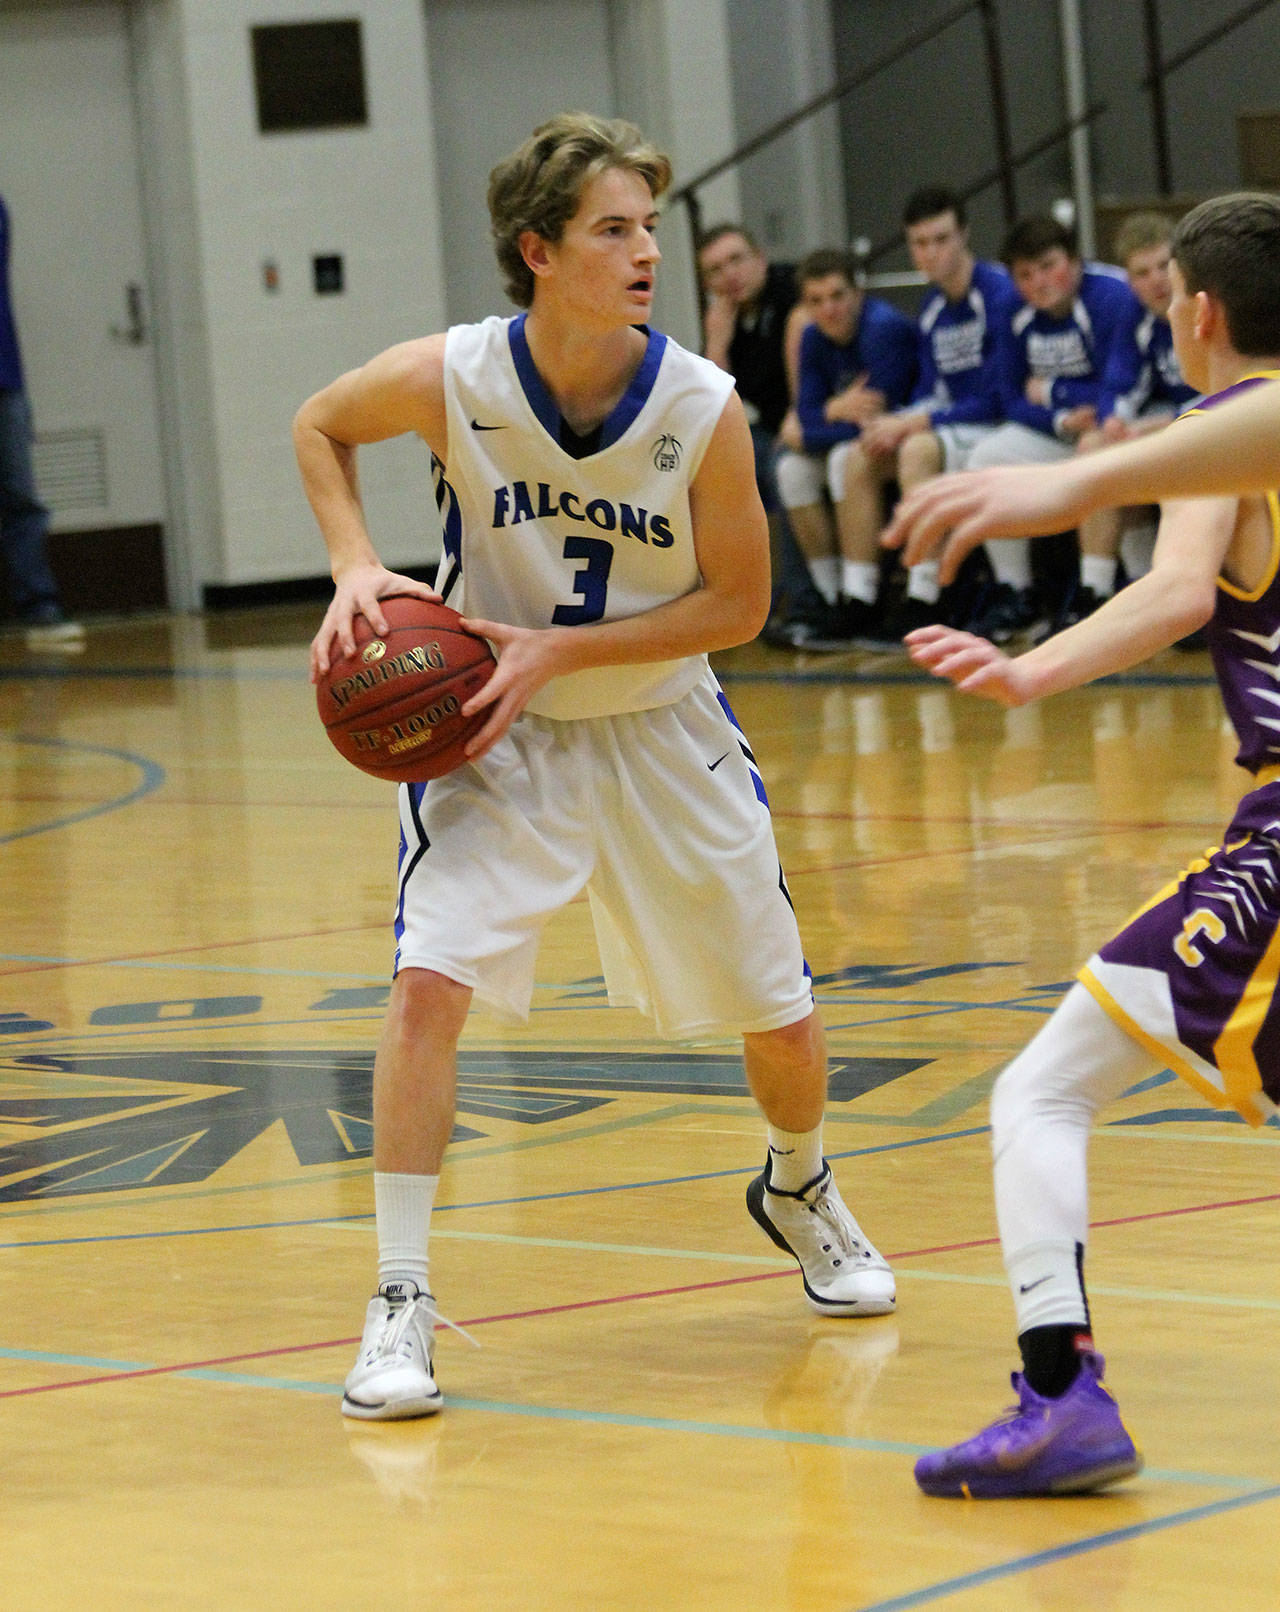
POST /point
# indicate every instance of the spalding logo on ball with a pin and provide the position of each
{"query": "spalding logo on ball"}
(394, 707)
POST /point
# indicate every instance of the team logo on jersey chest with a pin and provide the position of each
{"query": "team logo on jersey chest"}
(666, 452)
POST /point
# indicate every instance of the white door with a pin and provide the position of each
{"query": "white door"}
(69, 176)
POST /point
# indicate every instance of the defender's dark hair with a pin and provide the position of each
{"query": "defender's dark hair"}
(929, 202)
(1230, 247)
(1033, 237)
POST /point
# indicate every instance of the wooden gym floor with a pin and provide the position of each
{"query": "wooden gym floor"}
(195, 896)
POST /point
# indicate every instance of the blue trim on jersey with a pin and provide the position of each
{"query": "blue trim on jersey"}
(449, 571)
(752, 767)
(406, 868)
(758, 781)
(637, 394)
(543, 404)
(534, 387)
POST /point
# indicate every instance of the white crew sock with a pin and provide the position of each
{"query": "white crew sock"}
(1098, 571)
(825, 571)
(795, 1158)
(922, 582)
(1011, 561)
(403, 1204)
(860, 579)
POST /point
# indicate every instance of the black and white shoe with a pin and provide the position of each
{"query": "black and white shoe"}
(843, 1273)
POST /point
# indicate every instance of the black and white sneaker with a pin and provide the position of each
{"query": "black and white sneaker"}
(843, 1274)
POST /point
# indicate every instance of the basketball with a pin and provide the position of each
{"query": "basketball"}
(394, 707)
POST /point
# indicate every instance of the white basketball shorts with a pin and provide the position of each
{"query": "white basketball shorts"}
(661, 817)
(959, 442)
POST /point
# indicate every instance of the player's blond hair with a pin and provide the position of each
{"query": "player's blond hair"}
(539, 186)
(1140, 231)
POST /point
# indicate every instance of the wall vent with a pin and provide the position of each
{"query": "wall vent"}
(71, 468)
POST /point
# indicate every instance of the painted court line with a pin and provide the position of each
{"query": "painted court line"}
(153, 776)
(215, 1372)
(1062, 1553)
(1142, 1295)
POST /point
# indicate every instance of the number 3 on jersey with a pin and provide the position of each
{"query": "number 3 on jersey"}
(592, 581)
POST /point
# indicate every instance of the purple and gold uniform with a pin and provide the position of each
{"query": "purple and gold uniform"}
(1194, 975)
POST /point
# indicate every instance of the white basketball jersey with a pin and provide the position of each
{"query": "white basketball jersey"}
(538, 538)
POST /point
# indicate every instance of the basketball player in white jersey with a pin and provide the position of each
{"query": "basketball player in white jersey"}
(603, 531)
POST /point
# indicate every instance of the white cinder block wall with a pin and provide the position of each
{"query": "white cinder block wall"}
(367, 194)
(452, 85)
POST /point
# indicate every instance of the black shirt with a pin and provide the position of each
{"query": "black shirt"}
(756, 358)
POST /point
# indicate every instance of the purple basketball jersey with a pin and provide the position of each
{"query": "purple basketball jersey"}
(1193, 975)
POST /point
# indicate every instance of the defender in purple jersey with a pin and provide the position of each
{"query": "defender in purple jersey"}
(1190, 983)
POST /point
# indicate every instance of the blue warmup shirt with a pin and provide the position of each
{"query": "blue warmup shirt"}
(958, 341)
(10, 362)
(1072, 352)
(1143, 372)
(883, 348)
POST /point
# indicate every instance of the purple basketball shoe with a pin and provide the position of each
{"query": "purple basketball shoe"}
(1040, 1446)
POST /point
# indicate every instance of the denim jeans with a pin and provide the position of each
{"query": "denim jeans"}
(23, 518)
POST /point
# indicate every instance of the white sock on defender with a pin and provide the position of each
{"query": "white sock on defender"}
(795, 1158)
(403, 1204)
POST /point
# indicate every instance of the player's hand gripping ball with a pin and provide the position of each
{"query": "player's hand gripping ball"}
(394, 707)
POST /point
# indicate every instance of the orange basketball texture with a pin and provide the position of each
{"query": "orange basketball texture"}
(394, 707)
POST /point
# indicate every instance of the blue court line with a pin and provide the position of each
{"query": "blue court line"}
(153, 775)
(484, 1203)
(46, 1041)
(1061, 1553)
(656, 1424)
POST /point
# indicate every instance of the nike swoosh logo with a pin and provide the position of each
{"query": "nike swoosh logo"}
(1027, 1286)
(712, 765)
(476, 426)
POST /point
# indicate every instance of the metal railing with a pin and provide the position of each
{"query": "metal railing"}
(1004, 170)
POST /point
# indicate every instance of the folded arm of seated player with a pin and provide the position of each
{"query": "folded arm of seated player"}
(1174, 598)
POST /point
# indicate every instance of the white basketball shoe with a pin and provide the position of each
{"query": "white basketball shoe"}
(391, 1379)
(843, 1273)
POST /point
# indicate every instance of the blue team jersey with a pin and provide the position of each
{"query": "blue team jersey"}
(959, 379)
(1071, 352)
(1143, 373)
(882, 347)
